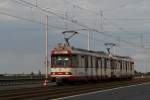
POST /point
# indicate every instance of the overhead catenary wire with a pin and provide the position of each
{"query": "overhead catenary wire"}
(75, 22)
(129, 19)
(64, 18)
(41, 23)
(33, 21)
(139, 46)
(85, 9)
(119, 19)
(28, 3)
(95, 12)
(29, 20)
(25, 5)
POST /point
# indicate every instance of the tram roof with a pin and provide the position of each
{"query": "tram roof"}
(91, 51)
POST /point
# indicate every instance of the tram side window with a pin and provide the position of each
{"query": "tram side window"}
(131, 64)
(129, 68)
(105, 63)
(120, 65)
(94, 61)
(126, 65)
(99, 62)
(75, 61)
(82, 61)
(89, 61)
(108, 63)
(123, 64)
(86, 61)
(112, 64)
(115, 64)
(102, 62)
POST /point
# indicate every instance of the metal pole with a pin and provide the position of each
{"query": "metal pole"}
(46, 45)
(101, 18)
(88, 45)
(66, 16)
(46, 52)
(36, 3)
(89, 40)
(141, 38)
(114, 49)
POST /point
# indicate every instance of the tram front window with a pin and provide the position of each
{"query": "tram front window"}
(61, 61)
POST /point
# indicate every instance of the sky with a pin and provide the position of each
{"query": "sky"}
(22, 30)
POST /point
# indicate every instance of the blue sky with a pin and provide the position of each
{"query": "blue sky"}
(22, 42)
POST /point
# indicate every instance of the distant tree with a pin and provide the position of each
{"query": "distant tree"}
(5, 73)
(39, 73)
(148, 73)
(138, 73)
(32, 73)
(1, 75)
(135, 72)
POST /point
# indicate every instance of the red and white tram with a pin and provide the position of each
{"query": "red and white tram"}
(73, 64)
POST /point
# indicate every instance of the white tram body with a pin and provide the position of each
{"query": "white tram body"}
(73, 64)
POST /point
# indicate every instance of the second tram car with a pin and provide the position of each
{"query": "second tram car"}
(74, 64)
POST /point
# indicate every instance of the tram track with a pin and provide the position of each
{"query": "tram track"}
(51, 92)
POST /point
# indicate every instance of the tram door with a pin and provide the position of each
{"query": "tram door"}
(86, 65)
(99, 63)
(89, 65)
(112, 67)
(83, 64)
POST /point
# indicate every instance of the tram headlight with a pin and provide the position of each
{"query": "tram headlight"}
(53, 73)
(68, 73)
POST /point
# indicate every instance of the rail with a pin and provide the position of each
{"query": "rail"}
(53, 92)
